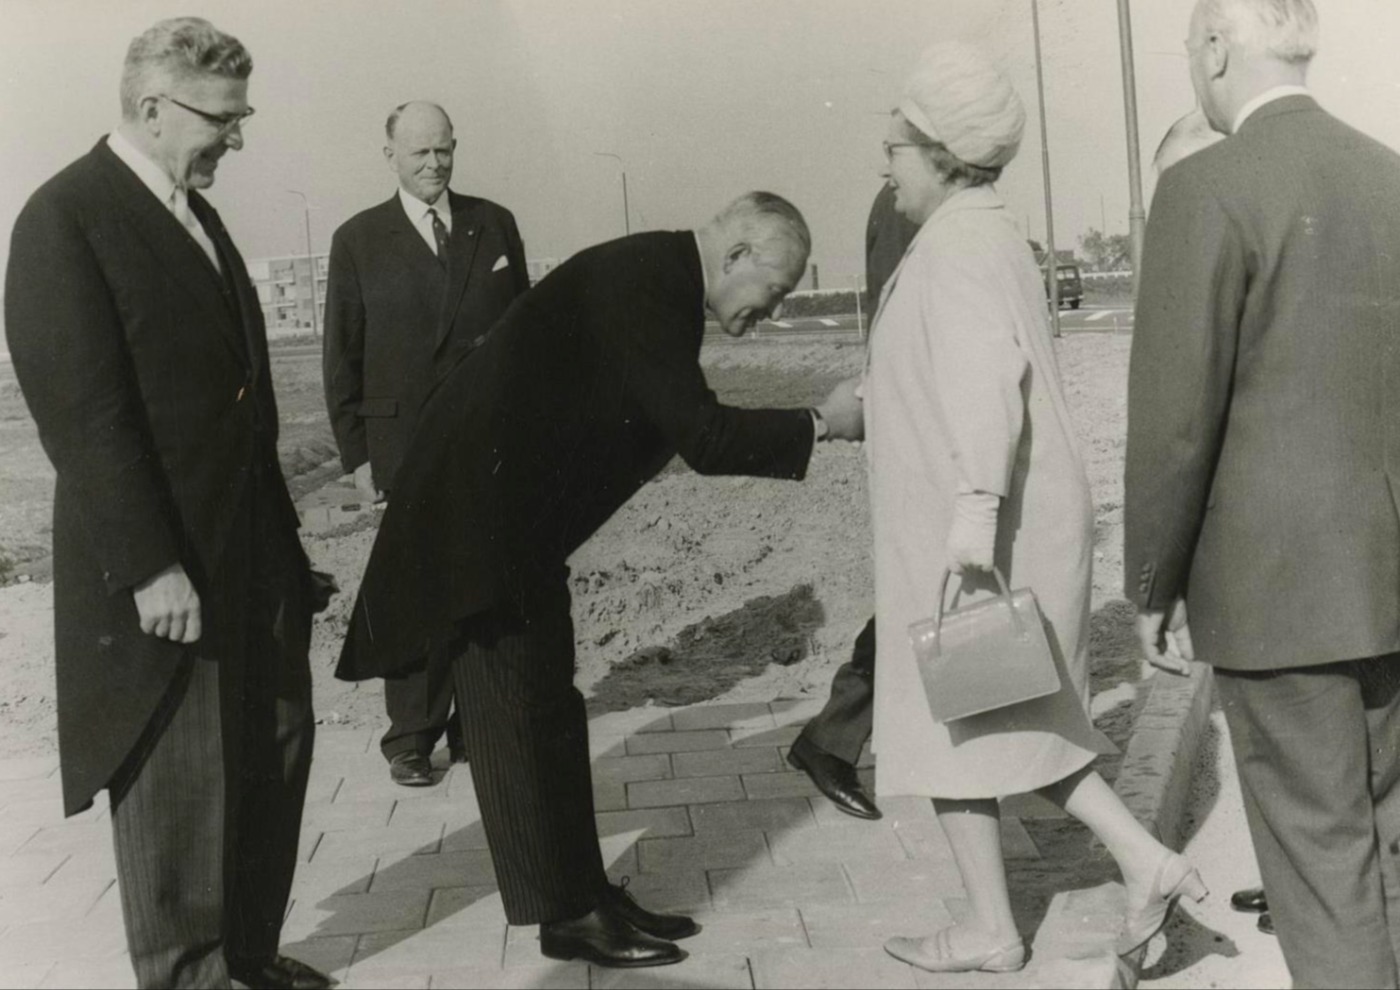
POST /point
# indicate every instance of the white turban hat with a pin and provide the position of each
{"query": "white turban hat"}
(957, 97)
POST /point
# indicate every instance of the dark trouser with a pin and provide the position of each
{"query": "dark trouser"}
(1318, 751)
(419, 706)
(842, 728)
(526, 733)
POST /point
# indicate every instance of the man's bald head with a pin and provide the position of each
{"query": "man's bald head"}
(420, 148)
(415, 110)
(1185, 137)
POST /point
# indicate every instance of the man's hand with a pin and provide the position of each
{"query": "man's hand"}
(972, 539)
(364, 483)
(168, 606)
(1166, 639)
(843, 411)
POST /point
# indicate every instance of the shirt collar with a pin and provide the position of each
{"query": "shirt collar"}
(1268, 96)
(152, 176)
(417, 209)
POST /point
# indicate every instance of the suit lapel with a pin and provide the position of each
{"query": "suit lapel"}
(238, 290)
(461, 254)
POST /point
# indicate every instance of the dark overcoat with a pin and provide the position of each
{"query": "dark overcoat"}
(395, 317)
(1264, 395)
(146, 371)
(590, 383)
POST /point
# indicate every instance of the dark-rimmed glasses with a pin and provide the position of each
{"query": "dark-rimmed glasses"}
(889, 147)
(223, 121)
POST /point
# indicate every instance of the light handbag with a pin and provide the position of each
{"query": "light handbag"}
(983, 656)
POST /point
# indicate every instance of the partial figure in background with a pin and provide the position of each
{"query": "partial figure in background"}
(973, 464)
(182, 596)
(831, 743)
(1186, 136)
(1262, 463)
(415, 285)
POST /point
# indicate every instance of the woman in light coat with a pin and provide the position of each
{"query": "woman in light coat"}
(973, 461)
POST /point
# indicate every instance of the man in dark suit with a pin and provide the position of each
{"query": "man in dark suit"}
(582, 393)
(831, 743)
(1262, 463)
(182, 598)
(415, 284)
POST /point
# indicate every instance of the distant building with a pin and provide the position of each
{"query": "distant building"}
(538, 268)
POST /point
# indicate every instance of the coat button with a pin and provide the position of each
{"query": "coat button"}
(242, 391)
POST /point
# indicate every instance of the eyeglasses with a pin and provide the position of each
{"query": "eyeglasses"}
(889, 147)
(225, 122)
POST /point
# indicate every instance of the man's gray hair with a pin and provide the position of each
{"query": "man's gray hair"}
(769, 223)
(181, 47)
(1282, 29)
(392, 123)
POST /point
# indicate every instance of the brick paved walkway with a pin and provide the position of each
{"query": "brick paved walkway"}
(695, 805)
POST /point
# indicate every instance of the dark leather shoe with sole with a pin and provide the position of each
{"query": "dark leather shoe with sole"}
(834, 777)
(411, 769)
(604, 939)
(668, 926)
(1266, 924)
(1251, 900)
(280, 973)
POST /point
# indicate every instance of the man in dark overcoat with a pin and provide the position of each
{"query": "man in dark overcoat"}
(1263, 462)
(580, 395)
(415, 283)
(181, 592)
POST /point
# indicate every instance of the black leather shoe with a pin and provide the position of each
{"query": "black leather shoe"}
(834, 777)
(411, 769)
(457, 753)
(668, 926)
(1251, 900)
(280, 973)
(604, 939)
(1266, 924)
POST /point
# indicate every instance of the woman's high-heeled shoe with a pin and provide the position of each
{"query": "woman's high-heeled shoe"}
(1006, 959)
(1176, 878)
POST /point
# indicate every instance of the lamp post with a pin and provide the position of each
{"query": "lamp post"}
(310, 264)
(626, 215)
(1052, 270)
(1137, 216)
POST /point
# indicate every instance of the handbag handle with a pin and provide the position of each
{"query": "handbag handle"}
(1004, 596)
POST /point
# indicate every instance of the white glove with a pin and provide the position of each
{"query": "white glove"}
(972, 539)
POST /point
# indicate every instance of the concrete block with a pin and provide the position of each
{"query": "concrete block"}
(1016, 842)
(772, 815)
(716, 850)
(796, 711)
(626, 769)
(721, 971)
(64, 838)
(376, 786)
(44, 812)
(95, 974)
(836, 844)
(677, 742)
(543, 974)
(333, 876)
(686, 891)
(725, 932)
(15, 836)
(471, 868)
(630, 722)
(100, 864)
(387, 841)
(52, 902)
(760, 759)
(752, 715)
(609, 796)
(466, 907)
(606, 747)
(649, 822)
(357, 914)
(1030, 806)
(19, 791)
(769, 886)
(912, 880)
(683, 790)
(831, 968)
(341, 815)
(388, 954)
(924, 839)
(337, 740)
(28, 870)
(323, 787)
(783, 735)
(779, 785)
(452, 813)
(46, 941)
(868, 925)
(471, 836)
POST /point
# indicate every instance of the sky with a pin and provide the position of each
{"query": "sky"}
(700, 100)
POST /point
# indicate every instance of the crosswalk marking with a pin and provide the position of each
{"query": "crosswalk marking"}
(782, 323)
(1104, 313)
(829, 323)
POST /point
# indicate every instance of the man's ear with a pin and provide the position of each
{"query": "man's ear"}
(1217, 56)
(735, 252)
(389, 156)
(148, 113)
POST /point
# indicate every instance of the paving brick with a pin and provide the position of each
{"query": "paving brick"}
(472, 836)
(769, 886)
(1016, 842)
(630, 722)
(460, 788)
(650, 822)
(452, 869)
(866, 926)
(24, 976)
(330, 955)
(340, 815)
(790, 711)
(753, 715)
(52, 902)
(710, 970)
(677, 742)
(322, 787)
(68, 838)
(420, 982)
(686, 891)
(32, 789)
(1030, 806)
(389, 954)
(333, 876)
(376, 786)
(683, 790)
(760, 759)
(606, 746)
(779, 785)
(46, 941)
(45, 812)
(717, 850)
(92, 973)
(359, 764)
(330, 740)
(99, 864)
(15, 836)
(924, 839)
(866, 758)
(895, 809)
(307, 843)
(831, 968)
(836, 844)
(783, 735)
(768, 816)
(911, 880)
(357, 914)
(626, 769)
(387, 841)
(609, 795)
(547, 975)
(28, 870)
(27, 768)
(454, 813)
(623, 865)
(746, 931)
(466, 907)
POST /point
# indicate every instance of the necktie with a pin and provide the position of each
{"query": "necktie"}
(439, 235)
(180, 206)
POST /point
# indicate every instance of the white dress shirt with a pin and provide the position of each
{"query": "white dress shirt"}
(1268, 96)
(164, 188)
(417, 211)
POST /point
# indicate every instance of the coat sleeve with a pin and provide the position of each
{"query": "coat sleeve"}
(1180, 373)
(647, 334)
(69, 352)
(343, 355)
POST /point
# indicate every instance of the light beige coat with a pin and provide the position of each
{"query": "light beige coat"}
(962, 393)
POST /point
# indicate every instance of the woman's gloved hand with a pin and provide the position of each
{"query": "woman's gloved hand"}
(972, 539)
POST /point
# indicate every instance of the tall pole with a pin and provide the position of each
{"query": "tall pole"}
(1052, 271)
(626, 213)
(310, 264)
(1137, 216)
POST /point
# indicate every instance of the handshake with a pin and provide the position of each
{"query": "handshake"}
(843, 411)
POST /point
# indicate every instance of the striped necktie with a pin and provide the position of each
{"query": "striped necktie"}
(440, 235)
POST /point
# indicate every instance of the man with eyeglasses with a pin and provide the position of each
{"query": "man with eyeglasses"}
(182, 596)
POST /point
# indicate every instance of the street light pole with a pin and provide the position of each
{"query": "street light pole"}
(1052, 270)
(626, 213)
(310, 264)
(1137, 216)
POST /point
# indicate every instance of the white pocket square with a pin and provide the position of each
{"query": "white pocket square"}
(501, 262)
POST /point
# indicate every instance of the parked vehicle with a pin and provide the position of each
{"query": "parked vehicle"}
(1071, 284)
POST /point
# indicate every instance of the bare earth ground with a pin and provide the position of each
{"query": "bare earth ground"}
(733, 589)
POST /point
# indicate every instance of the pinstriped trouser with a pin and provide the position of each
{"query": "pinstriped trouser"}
(526, 733)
